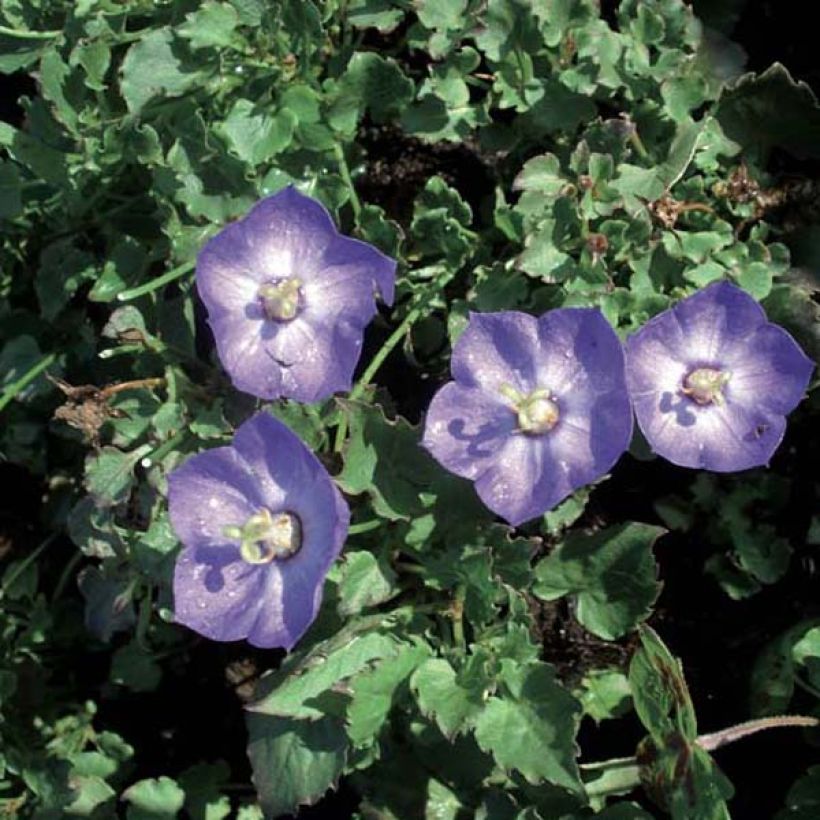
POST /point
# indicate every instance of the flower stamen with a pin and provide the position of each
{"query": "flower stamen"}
(705, 385)
(266, 537)
(282, 299)
(536, 413)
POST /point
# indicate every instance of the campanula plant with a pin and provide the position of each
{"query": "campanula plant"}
(538, 408)
(267, 553)
(288, 298)
(261, 523)
(712, 380)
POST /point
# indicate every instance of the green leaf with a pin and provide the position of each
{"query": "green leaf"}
(294, 761)
(364, 581)
(134, 668)
(659, 691)
(109, 474)
(772, 679)
(255, 135)
(530, 726)
(292, 695)
(380, 14)
(612, 573)
(11, 203)
(803, 800)
(154, 799)
(370, 83)
(806, 652)
(452, 699)
(211, 25)
(441, 15)
(604, 694)
(384, 459)
(202, 783)
(151, 69)
(373, 692)
(768, 110)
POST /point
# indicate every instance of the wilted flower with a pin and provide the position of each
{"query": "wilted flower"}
(712, 380)
(288, 298)
(261, 523)
(538, 408)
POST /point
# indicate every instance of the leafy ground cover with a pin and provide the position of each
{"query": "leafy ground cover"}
(526, 155)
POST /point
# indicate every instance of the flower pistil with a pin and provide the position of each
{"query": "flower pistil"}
(282, 299)
(705, 385)
(265, 537)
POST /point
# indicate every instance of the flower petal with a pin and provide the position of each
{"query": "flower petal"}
(522, 482)
(244, 353)
(210, 491)
(317, 358)
(466, 428)
(771, 371)
(714, 321)
(497, 349)
(218, 594)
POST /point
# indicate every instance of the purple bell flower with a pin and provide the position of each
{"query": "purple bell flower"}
(712, 380)
(261, 522)
(288, 298)
(538, 408)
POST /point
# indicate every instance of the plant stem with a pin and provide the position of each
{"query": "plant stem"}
(29, 376)
(387, 348)
(457, 612)
(163, 449)
(364, 526)
(156, 284)
(65, 576)
(344, 170)
(28, 35)
(11, 578)
(715, 740)
(806, 686)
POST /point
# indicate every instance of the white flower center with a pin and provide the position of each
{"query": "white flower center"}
(282, 299)
(266, 537)
(705, 385)
(536, 413)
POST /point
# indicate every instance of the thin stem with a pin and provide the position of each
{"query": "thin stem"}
(637, 144)
(136, 384)
(364, 526)
(156, 284)
(387, 348)
(732, 733)
(164, 448)
(28, 35)
(457, 613)
(29, 376)
(355, 203)
(11, 578)
(65, 576)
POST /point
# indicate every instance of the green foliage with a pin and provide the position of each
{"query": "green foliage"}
(511, 155)
(612, 575)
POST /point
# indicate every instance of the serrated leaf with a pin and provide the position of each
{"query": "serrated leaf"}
(374, 691)
(604, 694)
(452, 700)
(151, 69)
(211, 25)
(770, 110)
(294, 761)
(154, 799)
(384, 459)
(109, 474)
(659, 691)
(254, 134)
(531, 726)
(364, 581)
(612, 573)
(291, 695)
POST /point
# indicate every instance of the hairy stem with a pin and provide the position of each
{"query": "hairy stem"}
(155, 284)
